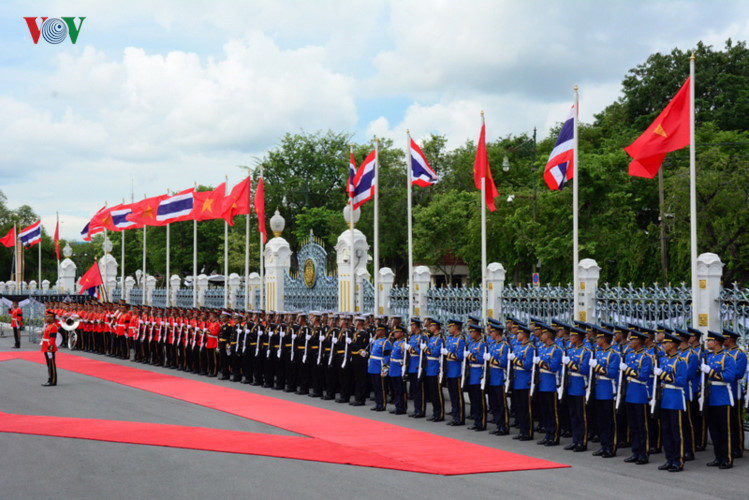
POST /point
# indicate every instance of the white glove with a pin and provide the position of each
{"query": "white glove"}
(593, 363)
(443, 351)
(293, 336)
(307, 337)
(487, 356)
(283, 334)
(333, 339)
(511, 356)
(623, 367)
(536, 360)
(384, 371)
(565, 359)
(657, 371)
(348, 340)
(363, 354)
(705, 368)
(466, 353)
(423, 346)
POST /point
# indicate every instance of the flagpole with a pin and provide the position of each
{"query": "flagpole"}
(167, 301)
(575, 202)
(144, 280)
(39, 283)
(226, 253)
(262, 250)
(692, 191)
(194, 263)
(15, 254)
(376, 267)
(57, 243)
(352, 293)
(122, 261)
(247, 249)
(409, 180)
(483, 239)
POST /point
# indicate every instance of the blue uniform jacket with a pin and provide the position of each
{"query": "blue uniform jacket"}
(673, 382)
(397, 355)
(455, 347)
(693, 369)
(606, 374)
(578, 368)
(414, 341)
(550, 364)
(476, 349)
(523, 364)
(739, 359)
(433, 353)
(638, 372)
(722, 373)
(379, 354)
(498, 363)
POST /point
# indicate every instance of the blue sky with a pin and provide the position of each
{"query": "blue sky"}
(168, 93)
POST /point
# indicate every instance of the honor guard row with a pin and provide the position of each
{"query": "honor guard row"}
(652, 390)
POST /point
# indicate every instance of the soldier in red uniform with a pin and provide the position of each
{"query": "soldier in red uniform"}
(16, 323)
(49, 347)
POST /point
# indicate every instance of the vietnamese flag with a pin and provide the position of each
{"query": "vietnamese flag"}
(259, 207)
(144, 211)
(9, 239)
(669, 132)
(210, 204)
(238, 201)
(91, 279)
(481, 169)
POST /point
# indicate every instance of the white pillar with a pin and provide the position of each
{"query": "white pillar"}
(706, 298)
(361, 275)
(174, 283)
(150, 287)
(588, 273)
(110, 284)
(277, 260)
(387, 278)
(495, 284)
(343, 259)
(66, 271)
(234, 283)
(11, 287)
(32, 285)
(255, 284)
(45, 286)
(202, 287)
(129, 284)
(108, 266)
(422, 278)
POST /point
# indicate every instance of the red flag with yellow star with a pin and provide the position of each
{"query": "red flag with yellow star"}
(669, 132)
(144, 212)
(91, 279)
(238, 201)
(210, 204)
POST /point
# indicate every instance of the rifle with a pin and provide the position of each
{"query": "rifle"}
(509, 371)
(463, 363)
(319, 345)
(421, 356)
(591, 381)
(281, 334)
(533, 371)
(619, 388)
(442, 361)
(562, 383)
(333, 342)
(345, 350)
(294, 334)
(656, 384)
(485, 370)
(306, 343)
(404, 367)
(703, 382)
(258, 341)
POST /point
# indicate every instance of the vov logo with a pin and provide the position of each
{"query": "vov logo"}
(54, 30)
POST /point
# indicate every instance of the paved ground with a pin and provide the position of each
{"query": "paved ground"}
(47, 467)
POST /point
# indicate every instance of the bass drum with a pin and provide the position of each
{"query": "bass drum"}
(72, 339)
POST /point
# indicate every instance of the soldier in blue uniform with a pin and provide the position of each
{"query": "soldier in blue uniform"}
(522, 364)
(563, 341)
(475, 359)
(577, 362)
(737, 410)
(637, 369)
(692, 363)
(549, 360)
(379, 364)
(699, 420)
(605, 369)
(672, 375)
(397, 370)
(416, 368)
(496, 357)
(455, 346)
(720, 370)
(433, 351)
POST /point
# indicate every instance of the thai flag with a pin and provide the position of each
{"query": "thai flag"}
(351, 175)
(177, 207)
(119, 218)
(421, 173)
(559, 168)
(32, 234)
(364, 189)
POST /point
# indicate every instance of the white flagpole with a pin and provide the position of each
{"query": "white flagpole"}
(15, 255)
(376, 230)
(409, 180)
(122, 260)
(144, 280)
(483, 236)
(353, 253)
(194, 263)
(575, 202)
(692, 191)
(39, 283)
(57, 243)
(247, 250)
(262, 251)
(226, 254)
(167, 300)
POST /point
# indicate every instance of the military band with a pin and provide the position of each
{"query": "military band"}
(643, 388)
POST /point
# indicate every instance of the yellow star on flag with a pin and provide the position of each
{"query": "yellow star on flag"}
(207, 205)
(659, 130)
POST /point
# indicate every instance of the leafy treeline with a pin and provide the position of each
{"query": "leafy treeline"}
(306, 174)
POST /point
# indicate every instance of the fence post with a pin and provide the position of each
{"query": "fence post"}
(344, 255)
(254, 287)
(202, 287)
(422, 278)
(234, 282)
(706, 298)
(277, 261)
(174, 283)
(495, 284)
(361, 275)
(67, 271)
(387, 278)
(129, 284)
(588, 273)
(150, 287)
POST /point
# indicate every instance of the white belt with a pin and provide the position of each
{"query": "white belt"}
(430, 358)
(575, 374)
(396, 360)
(635, 381)
(725, 384)
(601, 377)
(549, 372)
(376, 358)
(477, 365)
(671, 386)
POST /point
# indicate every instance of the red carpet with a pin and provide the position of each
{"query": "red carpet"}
(331, 436)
